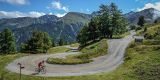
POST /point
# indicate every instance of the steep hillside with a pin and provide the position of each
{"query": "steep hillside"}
(74, 17)
(25, 21)
(152, 32)
(65, 27)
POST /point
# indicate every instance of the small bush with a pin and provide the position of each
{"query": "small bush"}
(151, 42)
(67, 61)
(138, 28)
(89, 52)
(132, 44)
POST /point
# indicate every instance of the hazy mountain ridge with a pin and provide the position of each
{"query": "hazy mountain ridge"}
(65, 27)
(150, 15)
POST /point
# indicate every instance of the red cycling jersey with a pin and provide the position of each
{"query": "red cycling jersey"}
(40, 65)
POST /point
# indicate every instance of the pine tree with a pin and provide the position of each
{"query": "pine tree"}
(141, 21)
(118, 23)
(61, 42)
(109, 22)
(83, 36)
(24, 47)
(7, 42)
(156, 21)
(53, 43)
(47, 43)
(40, 42)
(92, 30)
(145, 29)
(104, 20)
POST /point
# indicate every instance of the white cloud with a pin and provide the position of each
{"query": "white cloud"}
(35, 14)
(87, 10)
(65, 9)
(57, 5)
(150, 5)
(16, 2)
(60, 15)
(50, 13)
(15, 14)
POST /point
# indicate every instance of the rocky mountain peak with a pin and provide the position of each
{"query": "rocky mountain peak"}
(150, 15)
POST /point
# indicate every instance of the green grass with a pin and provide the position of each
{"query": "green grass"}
(144, 59)
(153, 32)
(120, 36)
(94, 50)
(67, 61)
(59, 49)
(141, 63)
(97, 49)
(75, 45)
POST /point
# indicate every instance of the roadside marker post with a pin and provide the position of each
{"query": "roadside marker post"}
(20, 70)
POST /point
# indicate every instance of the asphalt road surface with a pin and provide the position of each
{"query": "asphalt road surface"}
(100, 64)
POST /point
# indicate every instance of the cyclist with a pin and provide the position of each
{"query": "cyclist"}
(40, 65)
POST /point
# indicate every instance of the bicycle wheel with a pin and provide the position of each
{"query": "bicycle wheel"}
(36, 70)
(43, 71)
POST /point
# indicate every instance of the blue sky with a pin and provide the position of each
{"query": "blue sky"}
(36, 8)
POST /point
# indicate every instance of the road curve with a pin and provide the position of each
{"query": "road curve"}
(105, 63)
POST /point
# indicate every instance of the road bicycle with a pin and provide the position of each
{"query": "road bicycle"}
(41, 70)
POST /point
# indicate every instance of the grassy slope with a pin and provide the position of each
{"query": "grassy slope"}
(75, 45)
(94, 50)
(142, 62)
(89, 52)
(120, 36)
(143, 58)
(5, 59)
(153, 31)
(59, 49)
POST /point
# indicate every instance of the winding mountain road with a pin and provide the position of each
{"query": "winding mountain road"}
(105, 63)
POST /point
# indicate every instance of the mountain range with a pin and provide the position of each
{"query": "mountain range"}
(63, 27)
(150, 15)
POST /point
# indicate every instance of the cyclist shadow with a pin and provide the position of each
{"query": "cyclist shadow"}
(35, 73)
